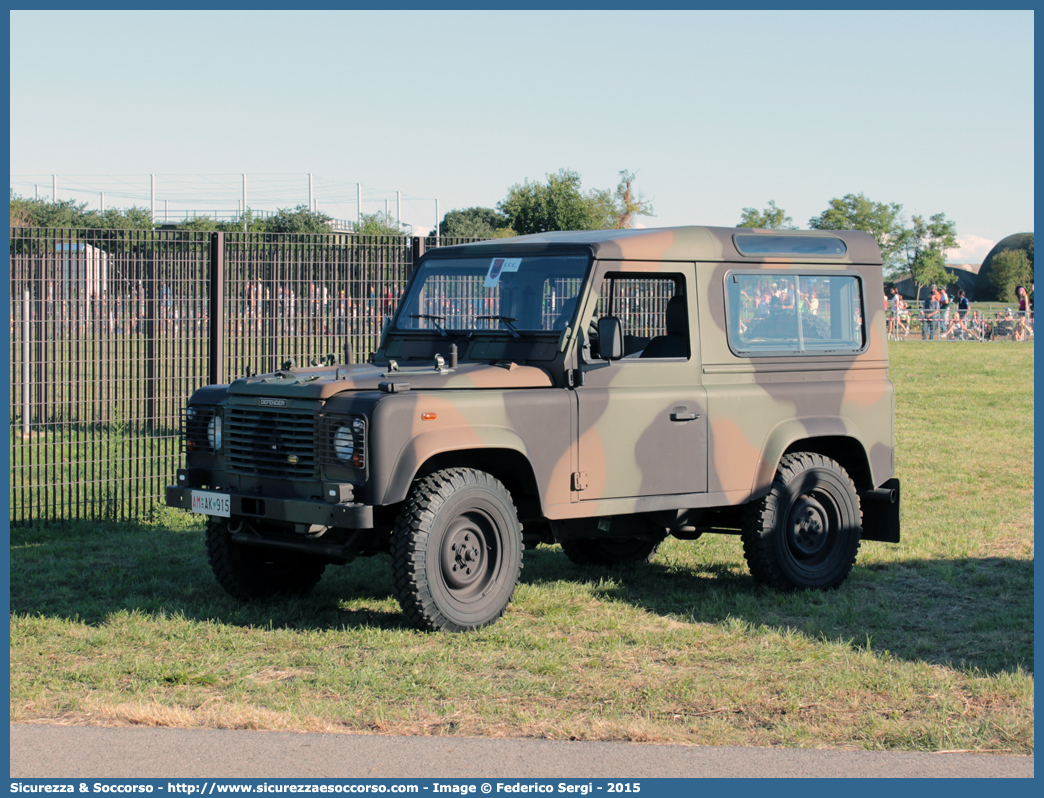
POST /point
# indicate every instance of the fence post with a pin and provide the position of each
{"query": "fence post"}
(152, 301)
(217, 306)
(416, 250)
(25, 364)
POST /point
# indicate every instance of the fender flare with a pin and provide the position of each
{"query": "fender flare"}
(785, 433)
(416, 451)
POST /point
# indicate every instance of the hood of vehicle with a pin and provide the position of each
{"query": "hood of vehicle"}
(325, 381)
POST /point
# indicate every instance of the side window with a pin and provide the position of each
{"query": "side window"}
(652, 312)
(778, 314)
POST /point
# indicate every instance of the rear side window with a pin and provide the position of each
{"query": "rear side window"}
(773, 313)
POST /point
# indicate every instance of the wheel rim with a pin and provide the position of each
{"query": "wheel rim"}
(811, 529)
(469, 554)
(807, 527)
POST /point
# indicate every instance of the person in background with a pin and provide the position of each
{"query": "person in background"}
(903, 318)
(955, 329)
(1005, 325)
(901, 312)
(944, 305)
(892, 306)
(974, 325)
(930, 315)
(962, 304)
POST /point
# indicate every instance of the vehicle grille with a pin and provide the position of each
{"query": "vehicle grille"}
(264, 442)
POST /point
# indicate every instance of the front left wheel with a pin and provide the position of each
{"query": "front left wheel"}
(456, 551)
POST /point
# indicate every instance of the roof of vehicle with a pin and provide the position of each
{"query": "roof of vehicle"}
(680, 244)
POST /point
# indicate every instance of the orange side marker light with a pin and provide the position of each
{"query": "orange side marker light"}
(428, 416)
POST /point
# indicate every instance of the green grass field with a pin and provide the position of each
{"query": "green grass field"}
(928, 646)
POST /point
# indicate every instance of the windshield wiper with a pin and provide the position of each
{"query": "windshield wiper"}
(507, 323)
(434, 320)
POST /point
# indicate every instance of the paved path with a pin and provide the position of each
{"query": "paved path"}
(42, 751)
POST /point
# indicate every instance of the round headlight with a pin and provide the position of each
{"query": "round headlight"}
(214, 433)
(344, 445)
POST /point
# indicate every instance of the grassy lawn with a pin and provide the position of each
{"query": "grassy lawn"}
(928, 646)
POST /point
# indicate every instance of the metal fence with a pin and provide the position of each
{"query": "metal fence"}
(973, 325)
(111, 330)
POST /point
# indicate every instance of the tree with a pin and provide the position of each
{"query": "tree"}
(244, 223)
(71, 214)
(928, 268)
(41, 213)
(1011, 268)
(772, 218)
(297, 220)
(560, 204)
(926, 245)
(475, 223)
(629, 202)
(938, 234)
(133, 218)
(557, 205)
(884, 221)
(377, 224)
(22, 211)
(200, 224)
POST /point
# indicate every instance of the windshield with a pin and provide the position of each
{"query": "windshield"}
(511, 295)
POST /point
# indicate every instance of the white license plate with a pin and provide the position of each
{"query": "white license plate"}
(209, 503)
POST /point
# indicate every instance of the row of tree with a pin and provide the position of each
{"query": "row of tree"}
(559, 203)
(296, 220)
(916, 245)
(69, 213)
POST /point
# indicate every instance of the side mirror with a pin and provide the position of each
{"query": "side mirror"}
(610, 338)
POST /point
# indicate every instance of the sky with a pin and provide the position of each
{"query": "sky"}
(713, 111)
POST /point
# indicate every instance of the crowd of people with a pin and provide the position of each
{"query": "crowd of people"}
(951, 318)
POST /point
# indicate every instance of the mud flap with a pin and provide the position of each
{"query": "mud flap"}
(881, 513)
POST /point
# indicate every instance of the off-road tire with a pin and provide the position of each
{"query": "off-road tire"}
(610, 551)
(456, 551)
(253, 572)
(805, 533)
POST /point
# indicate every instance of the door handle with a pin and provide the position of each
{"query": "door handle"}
(684, 416)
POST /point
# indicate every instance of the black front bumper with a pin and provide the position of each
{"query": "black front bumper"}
(297, 511)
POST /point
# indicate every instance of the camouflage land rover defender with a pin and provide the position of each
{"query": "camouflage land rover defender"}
(600, 390)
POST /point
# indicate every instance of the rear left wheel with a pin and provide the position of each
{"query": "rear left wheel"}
(805, 533)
